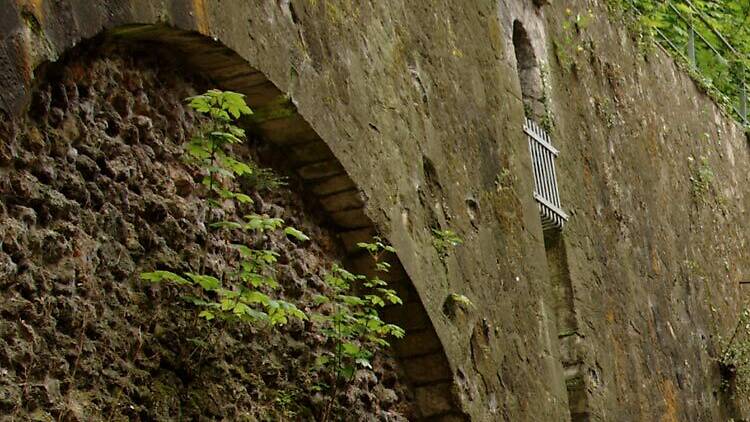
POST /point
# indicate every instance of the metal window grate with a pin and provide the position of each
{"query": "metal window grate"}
(545, 179)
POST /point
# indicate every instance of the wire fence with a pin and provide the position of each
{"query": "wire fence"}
(685, 30)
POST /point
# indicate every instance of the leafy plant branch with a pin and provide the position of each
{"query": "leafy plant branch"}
(352, 322)
(242, 291)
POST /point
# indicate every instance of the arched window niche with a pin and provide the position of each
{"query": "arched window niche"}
(529, 74)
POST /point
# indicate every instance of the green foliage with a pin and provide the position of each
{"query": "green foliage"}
(286, 402)
(347, 310)
(735, 357)
(242, 291)
(547, 121)
(456, 304)
(346, 313)
(504, 180)
(444, 240)
(265, 179)
(701, 179)
(569, 45)
(350, 318)
(461, 300)
(724, 24)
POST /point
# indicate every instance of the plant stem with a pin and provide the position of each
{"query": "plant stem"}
(338, 359)
(207, 214)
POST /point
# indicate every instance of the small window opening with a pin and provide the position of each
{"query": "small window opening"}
(543, 154)
(546, 193)
(532, 90)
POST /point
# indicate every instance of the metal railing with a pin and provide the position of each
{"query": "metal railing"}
(690, 39)
(543, 156)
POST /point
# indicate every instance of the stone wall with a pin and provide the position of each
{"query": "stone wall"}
(656, 176)
(421, 104)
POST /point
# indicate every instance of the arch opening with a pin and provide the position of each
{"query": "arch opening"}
(294, 147)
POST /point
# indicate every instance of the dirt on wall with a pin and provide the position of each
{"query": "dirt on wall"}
(93, 191)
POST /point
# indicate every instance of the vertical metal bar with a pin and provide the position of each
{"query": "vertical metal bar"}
(535, 162)
(537, 166)
(691, 45)
(743, 102)
(557, 190)
(545, 162)
(541, 151)
(553, 177)
(543, 165)
(537, 170)
(532, 153)
(542, 174)
(556, 193)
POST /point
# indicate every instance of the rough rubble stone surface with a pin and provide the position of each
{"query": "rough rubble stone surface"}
(94, 192)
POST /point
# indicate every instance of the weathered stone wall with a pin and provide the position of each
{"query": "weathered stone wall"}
(656, 176)
(421, 103)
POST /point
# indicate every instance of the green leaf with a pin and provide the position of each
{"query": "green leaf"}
(243, 199)
(224, 137)
(347, 372)
(350, 349)
(383, 267)
(375, 282)
(262, 223)
(238, 132)
(226, 225)
(370, 247)
(238, 167)
(395, 330)
(208, 315)
(158, 276)
(240, 309)
(252, 296)
(321, 361)
(207, 282)
(375, 300)
(351, 300)
(291, 231)
(294, 312)
(197, 149)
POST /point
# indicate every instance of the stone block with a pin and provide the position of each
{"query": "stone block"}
(417, 343)
(347, 200)
(423, 370)
(434, 399)
(351, 219)
(333, 184)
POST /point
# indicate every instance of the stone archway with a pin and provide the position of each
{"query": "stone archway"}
(276, 121)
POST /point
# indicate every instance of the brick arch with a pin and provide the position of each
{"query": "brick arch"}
(276, 120)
